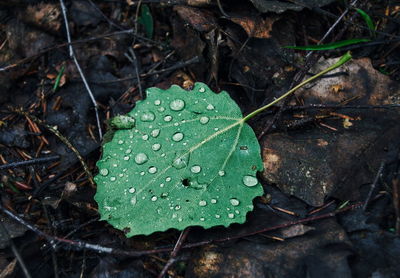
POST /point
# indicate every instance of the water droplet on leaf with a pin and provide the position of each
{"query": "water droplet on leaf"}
(221, 173)
(104, 172)
(177, 136)
(234, 202)
(202, 203)
(195, 169)
(152, 170)
(177, 105)
(250, 181)
(210, 107)
(155, 132)
(156, 147)
(141, 158)
(168, 118)
(181, 160)
(204, 120)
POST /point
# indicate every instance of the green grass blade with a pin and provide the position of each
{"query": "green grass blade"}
(58, 79)
(368, 20)
(328, 46)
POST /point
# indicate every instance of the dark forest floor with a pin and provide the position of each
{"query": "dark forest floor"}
(331, 206)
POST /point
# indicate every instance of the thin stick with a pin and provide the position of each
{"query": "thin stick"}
(334, 25)
(73, 56)
(15, 251)
(373, 185)
(135, 63)
(174, 253)
(81, 245)
(34, 161)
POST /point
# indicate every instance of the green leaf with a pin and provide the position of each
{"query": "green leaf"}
(189, 160)
(368, 20)
(329, 46)
(146, 19)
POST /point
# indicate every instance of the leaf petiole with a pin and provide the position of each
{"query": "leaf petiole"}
(346, 57)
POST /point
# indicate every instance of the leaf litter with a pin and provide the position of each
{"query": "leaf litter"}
(253, 70)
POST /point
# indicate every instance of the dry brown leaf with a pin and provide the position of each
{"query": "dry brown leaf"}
(256, 27)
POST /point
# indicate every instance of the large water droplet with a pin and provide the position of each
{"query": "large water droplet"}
(141, 158)
(168, 118)
(204, 120)
(195, 169)
(177, 105)
(234, 202)
(156, 147)
(250, 181)
(202, 203)
(152, 170)
(155, 132)
(147, 117)
(177, 136)
(181, 160)
(104, 172)
(210, 107)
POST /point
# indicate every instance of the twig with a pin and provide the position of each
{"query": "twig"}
(135, 64)
(80, 245)
(15, 251)
(373, 185)
(396, 203)
(29, 162)
(221, 9)
(174, 253)
(73, 56)
(330, 30)
(178, 65)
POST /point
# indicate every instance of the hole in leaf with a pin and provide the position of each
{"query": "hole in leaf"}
(185, 182)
